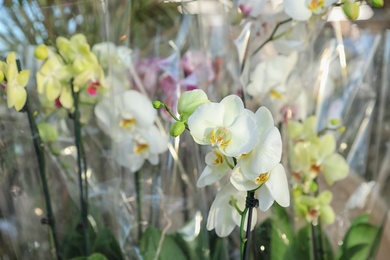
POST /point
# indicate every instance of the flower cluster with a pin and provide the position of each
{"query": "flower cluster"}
(14, 82)
(71, 65)
(129, 120)
(312, 154)
(246, 146)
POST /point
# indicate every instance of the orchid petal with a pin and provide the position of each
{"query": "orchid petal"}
(265, 198)
(264, 120)
(243, 136)
(66, 98)
(233, 107)
(17, 97)
(335, 168)
(278, 186)
(240, 182)
(140, 107)
(157, 142)
(216, 168)
(267, 154)
(327, 145)
(202, 122)
(220, 216)
(23, 77)
(297, 9)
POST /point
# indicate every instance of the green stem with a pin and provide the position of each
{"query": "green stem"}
(38, 147)
(138, 190)
(227, 162)
(170, 112)
(316, 235)
(271, 37)
(234, 204)
(242, 233)
(245, 236)
(314, 241)
(81, 172)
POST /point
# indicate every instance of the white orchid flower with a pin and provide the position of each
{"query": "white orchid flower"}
(129, 120)
(134, 149)
(294, 104)
(269, 79)
(130, 112)
(216, 168)
(270, 186)
(302, 10)
(267, 153)
(110, 55)
(226, 126)
(223, 216)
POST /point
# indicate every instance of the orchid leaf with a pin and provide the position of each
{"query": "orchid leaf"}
(150, 245)
(107, 245)
(275, 236)
(360, 240)
(94, 256)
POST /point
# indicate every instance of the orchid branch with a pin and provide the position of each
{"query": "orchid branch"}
(271, 37)
(233, 202)
(81, 170)
(138, 190)
(42, 172)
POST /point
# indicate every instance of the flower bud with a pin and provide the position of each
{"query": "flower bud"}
(177, 128)
(157, 104)
(335, 121)
(189, 101)
(341, 129)
(377, 3)
(351, 10)
(41, 52)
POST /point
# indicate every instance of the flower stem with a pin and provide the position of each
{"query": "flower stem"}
(138, 190)
(316, 235)
(81, 169)
(242, 233)
(42, 173)
(251, 203)
(271, 37)
(38, 147)
(314, 241)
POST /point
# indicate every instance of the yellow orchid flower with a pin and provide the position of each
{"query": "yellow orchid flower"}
(15, 82)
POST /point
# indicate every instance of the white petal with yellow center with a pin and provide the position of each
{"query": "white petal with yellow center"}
(215, 169)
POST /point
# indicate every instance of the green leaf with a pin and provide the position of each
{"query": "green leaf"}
(262, 239)
(97, 256)
(219, 248)
(107, 245)
(94, 256)
(364, 218)
(303, 243)
(282, 233)
(274, 237)
(73, 242)
(353, 251)
(362, 235)
(149, 245)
